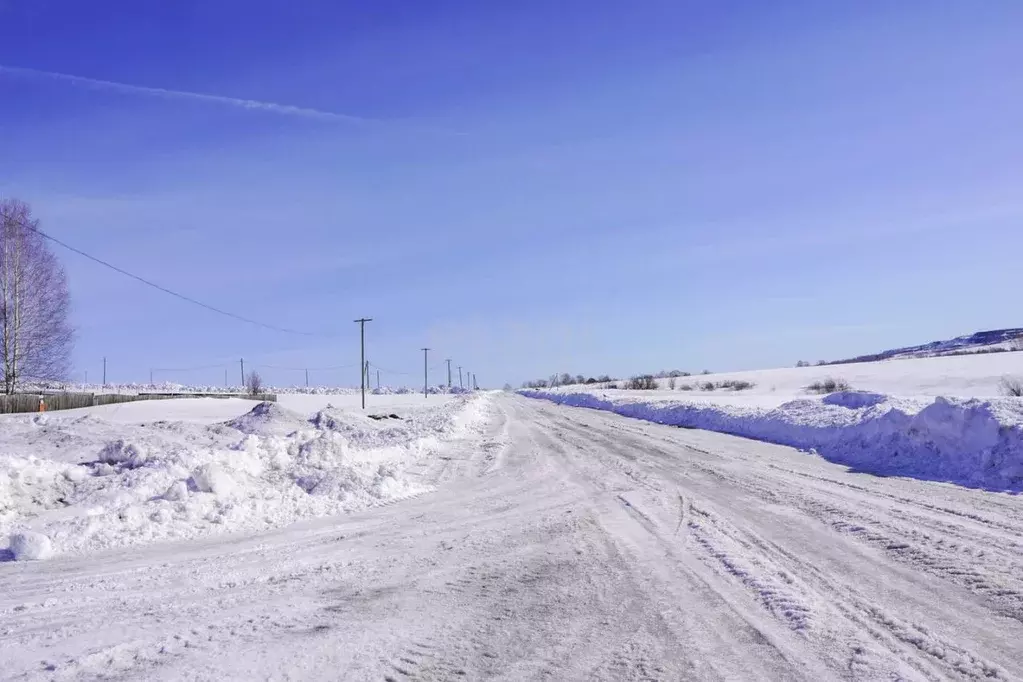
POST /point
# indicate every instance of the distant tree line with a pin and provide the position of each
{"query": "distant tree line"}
(566, 379)
(639, 382)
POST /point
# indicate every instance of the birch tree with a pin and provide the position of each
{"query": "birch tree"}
(36, 338)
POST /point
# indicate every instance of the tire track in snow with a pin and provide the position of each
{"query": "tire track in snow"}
(773, 580)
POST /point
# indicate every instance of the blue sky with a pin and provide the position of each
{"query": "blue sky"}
(523, 186)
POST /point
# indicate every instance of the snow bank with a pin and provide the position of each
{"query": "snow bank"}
(967, 441)
(79, 484)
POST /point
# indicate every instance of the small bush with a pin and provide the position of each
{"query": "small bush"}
(644, 382)
(828, 385)
(672, 382)
(685, 387)
(612, 386)
(705, 372)
(802, 363)
(737, 385)
(1012, 386)
(254, 383)
(709, 386)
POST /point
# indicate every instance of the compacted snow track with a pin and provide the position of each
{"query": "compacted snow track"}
(564, 544)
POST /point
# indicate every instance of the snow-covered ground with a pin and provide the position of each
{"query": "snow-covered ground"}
(135, 473)
(558, 544)
(942, 418)
(974, 376)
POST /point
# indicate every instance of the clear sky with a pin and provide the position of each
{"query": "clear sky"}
(526, 187)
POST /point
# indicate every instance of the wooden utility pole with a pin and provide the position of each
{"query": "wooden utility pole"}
(378, 379)
(449, 373)
(460, 384)
(426, 373)
(242, 361)
(104, 371)
(307, 378)
(362, 357)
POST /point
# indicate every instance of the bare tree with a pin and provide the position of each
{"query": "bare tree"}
(36, 338)
(254, 383)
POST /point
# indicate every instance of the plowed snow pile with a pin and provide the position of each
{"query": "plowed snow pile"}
(968, 441)
(72, 484)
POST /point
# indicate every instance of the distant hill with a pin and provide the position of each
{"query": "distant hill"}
(994, 341)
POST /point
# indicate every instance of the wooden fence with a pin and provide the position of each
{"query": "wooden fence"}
(33, 402)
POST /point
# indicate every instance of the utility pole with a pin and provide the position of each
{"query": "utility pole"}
(104, 370)
(307, 378)
(378, 379)
(475, 386)
(426, 373)
(449, 373)
(242, 361)
(460, 384)
(362, 361)
(86, 376)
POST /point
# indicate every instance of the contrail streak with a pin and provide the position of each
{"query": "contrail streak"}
(272, 107)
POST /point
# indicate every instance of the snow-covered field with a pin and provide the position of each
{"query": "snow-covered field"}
(555, 544)
(974, 376)
(942, 418)
(81, 480)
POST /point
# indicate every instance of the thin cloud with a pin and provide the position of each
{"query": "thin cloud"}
(256, 105)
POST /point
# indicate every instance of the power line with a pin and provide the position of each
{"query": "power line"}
(165, 290)
(389, 371)
(302, 369)
(189, 369)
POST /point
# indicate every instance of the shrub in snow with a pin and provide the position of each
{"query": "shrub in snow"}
(29, 546)
(672, 382)
(645, 382)
(1012, 386)
(828, 385)
(254, 383)
(736, 384)
(213, 478)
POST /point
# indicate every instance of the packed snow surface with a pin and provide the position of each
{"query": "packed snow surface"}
(82, 480)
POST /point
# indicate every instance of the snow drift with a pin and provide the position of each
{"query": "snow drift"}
(971, 442)
(78, 484)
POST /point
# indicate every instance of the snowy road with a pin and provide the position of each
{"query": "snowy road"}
(567, 544)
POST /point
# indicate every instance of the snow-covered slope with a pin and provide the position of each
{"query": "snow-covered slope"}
(937, 418)
(135, 473)
(964, 376)
(997, 340)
